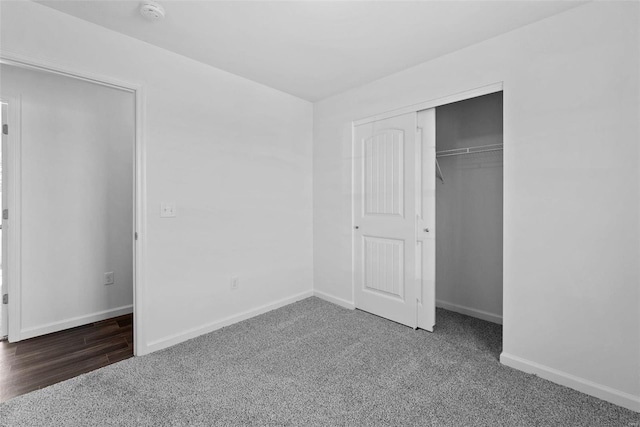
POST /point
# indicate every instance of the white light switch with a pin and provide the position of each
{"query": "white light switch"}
(167, 210)
(108, 278)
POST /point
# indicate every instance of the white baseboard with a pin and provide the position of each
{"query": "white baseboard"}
(335, 300)
(480, 314)
(73, 322)
(210, 327)
(591, 388)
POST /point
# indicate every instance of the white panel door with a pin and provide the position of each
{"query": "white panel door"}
(426, 219)
(385, 218)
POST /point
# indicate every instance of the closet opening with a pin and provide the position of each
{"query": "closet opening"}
(428, 216)
(469, 217)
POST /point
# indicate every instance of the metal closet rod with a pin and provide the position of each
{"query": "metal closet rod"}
(460, 151)
(469, 150)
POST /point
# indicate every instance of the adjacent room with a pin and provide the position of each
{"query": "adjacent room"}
(320, 213)
(71, 185)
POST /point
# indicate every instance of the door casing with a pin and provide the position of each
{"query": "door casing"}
(3, 289)
(13, 266)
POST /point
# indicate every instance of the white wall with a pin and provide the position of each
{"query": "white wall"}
(235, 157)
(571, 211)
(77, 151)
(469, 209)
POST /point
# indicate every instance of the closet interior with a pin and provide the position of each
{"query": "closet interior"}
(469, 200)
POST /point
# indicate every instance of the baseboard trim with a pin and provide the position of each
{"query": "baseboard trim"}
(335, 300)
(591, 388)
(480, 314)
(73, 322)
(230, 320)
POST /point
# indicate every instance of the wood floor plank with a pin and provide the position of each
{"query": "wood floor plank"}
(48, 352)
(41, 361)
(119, 355)
(103, 333)
(127, 335)
(8, 392)
(125, 322)
(8, 347)
(38, 362)
(5, 361)
(105, 324)
(56, 335)
(61, 374)
(47, 346)
(52, 339)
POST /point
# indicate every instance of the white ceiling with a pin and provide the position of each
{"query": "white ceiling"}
(314, 49)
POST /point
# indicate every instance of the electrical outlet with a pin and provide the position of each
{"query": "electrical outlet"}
(234, 283)
(108, 278)
(167, 210)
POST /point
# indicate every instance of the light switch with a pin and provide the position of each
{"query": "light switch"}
(108, 278)
(167, 210)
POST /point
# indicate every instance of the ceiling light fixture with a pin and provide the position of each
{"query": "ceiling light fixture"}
(152, 11)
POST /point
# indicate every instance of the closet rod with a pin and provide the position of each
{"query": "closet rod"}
(469, 150)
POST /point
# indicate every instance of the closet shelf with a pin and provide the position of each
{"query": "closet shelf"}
(469, 150)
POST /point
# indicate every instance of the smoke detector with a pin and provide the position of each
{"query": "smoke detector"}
(152, 11)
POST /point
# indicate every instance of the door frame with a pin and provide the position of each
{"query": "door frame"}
(11, 233)
(413, 108)
(14, 191)
(10, 102)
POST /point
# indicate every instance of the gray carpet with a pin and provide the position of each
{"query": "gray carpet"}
(313, 363)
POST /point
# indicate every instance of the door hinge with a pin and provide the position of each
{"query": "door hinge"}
(135, 235)
(5, 299)
(5, 129)
(5, 214)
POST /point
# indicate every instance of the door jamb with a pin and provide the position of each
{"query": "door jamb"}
(12, 231)
(140, 225)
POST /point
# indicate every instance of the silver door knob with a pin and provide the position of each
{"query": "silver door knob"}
(426, 230)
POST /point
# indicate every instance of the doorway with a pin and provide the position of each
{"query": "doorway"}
(397, 162)
(73, 163)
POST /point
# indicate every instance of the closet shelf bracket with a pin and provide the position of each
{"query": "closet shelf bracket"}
(439, 171)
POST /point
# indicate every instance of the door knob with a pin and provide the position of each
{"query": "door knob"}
(426, 230)
(356, 227)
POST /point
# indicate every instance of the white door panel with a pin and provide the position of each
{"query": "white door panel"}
(426, 220)
(394, 206)
(385, 240)
(384, 173)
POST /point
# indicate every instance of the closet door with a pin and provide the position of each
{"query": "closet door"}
(385, 249)
(426, 219)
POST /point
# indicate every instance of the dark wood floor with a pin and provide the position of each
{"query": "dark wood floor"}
(39, 362)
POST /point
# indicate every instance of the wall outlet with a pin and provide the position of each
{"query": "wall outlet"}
(167, 210)
(234, 283)
(108, 278)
